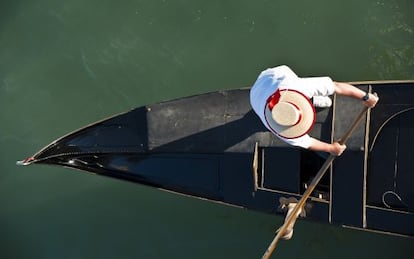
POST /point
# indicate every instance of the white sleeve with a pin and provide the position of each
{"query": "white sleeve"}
(304, 141)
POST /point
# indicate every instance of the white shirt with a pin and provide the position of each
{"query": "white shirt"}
(282, 77)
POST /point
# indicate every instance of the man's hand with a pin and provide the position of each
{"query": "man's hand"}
(337, 149)
(372, 100)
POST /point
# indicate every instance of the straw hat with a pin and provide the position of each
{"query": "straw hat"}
(289, 113)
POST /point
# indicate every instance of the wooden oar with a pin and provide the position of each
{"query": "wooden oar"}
(292, 217)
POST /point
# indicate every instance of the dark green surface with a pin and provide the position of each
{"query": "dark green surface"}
(64, 64)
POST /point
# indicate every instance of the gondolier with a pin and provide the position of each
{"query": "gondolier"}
(285, 104)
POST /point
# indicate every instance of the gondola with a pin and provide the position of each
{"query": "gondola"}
(213, 146)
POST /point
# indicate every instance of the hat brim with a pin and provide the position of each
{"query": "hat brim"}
(307, 119)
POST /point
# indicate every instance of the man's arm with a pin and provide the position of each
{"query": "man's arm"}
(334, 148)
(352, 91)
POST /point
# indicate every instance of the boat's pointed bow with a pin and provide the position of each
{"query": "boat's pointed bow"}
(26, 161)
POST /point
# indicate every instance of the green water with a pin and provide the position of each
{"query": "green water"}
(64, 64)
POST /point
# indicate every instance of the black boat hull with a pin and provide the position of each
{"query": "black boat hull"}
(214, 147)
